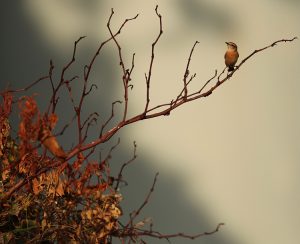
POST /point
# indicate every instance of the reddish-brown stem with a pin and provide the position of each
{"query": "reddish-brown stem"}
(187, 71)
(54, 98)
(27, 87)
(88, 68)
(126, 72)
(170, 106)
(119, 179)
(148, 77)
(110, 118)
(137, 212)
(158, 235)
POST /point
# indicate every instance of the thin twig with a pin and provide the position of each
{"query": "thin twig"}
(148, 77)
(126, 73)
(118, 180)
(183, 235)
(54, 99)
(110, 118)
(28, 86)
(187, 71)
(134, 214)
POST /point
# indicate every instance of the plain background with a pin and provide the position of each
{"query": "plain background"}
(232, 157)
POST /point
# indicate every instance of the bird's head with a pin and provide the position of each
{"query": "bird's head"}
(231, 45)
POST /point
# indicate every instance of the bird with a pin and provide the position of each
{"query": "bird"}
(231, 55)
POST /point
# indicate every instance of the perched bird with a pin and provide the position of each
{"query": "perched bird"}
(231, 55)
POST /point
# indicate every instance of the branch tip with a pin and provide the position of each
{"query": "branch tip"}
(79, 39)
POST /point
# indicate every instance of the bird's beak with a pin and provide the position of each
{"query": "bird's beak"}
(226, 43)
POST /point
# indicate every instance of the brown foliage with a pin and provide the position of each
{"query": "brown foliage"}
(29, 125)
(48, 206)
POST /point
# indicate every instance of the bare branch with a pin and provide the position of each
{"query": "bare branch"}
(29, 86)
(65, 127)
(92, 119)
(183, 235)
(126, 72)
(206, 83)
(148, 77)
(72, 60)
(115, 40)
(110, 118)
(262, 49)
(170, 106)
(134, 214)
(119, 179)
(88, 68)
(187, 72)
(54, 99)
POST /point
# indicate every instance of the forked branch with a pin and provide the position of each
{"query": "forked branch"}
(148, 77)
(184, 96)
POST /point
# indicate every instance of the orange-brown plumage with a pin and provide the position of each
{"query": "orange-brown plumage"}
(231, 55)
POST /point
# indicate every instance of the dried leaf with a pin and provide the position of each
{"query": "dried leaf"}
(143, 222)
(51, 143)
(36, 186)
(4, 133)
(5, 108)
(52, 120)
(59, 191)
(5, 174)
(29, 125)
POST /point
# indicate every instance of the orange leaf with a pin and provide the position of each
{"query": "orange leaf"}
(52, 120)
(36, 186)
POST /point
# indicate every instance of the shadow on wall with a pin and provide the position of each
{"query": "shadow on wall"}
(201, 14)
(25, 57)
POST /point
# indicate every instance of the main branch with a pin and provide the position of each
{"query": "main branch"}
(179, 100)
